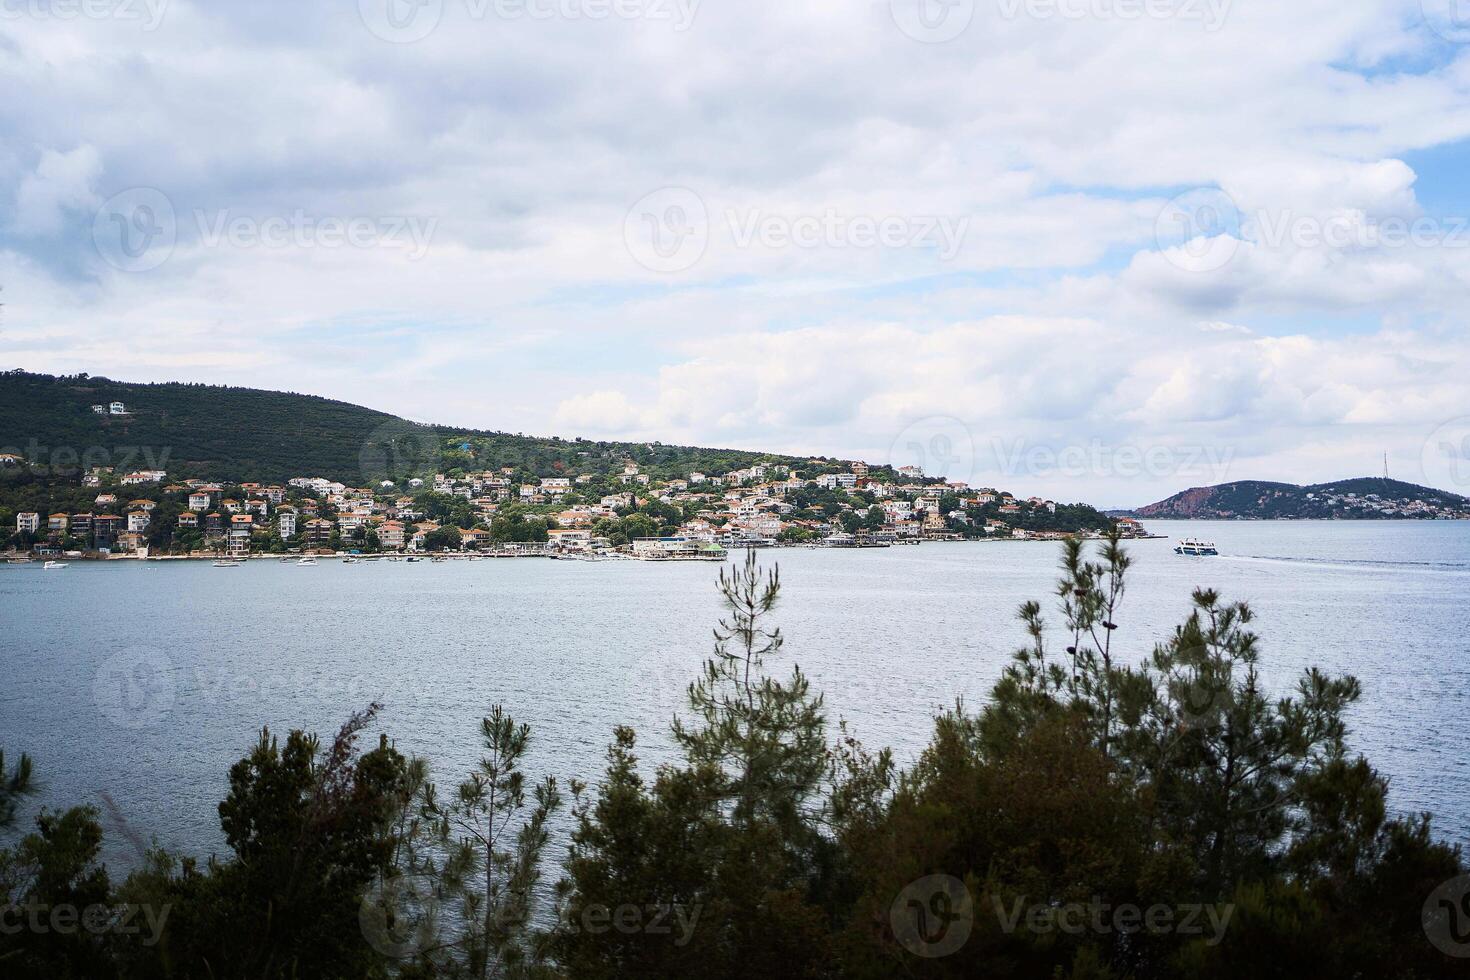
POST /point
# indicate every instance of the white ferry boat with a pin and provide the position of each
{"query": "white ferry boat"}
(1196, 548)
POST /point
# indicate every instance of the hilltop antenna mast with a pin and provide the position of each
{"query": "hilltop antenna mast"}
(1385, 466)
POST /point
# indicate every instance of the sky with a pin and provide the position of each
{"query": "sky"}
(1097, 250)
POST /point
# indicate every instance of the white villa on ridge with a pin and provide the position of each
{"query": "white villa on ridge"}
(144, 476)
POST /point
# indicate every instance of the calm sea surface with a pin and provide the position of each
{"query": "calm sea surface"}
(146, 681)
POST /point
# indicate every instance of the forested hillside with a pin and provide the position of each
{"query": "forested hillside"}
(1366, 498)
(224, 433)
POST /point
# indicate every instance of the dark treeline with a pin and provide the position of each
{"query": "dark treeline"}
(1094, 819)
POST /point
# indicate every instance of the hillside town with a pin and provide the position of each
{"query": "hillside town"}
(1355, 505)
(507, 512)
(1362, 499)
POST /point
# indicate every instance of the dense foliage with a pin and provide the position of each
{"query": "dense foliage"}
(1094, 819)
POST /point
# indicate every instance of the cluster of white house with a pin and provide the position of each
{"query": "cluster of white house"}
(1372, 503)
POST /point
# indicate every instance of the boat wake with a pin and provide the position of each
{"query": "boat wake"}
(1360, 563)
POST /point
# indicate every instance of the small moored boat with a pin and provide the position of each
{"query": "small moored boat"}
(54, 565)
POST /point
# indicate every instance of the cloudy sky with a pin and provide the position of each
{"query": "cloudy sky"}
(1098, 249)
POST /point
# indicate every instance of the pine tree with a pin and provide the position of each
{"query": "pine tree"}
(730, 840)
(489, 840)
(766, 736)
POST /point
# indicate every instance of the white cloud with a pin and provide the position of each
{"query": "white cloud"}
(598, 412)
(1226, 395)
(61, 182)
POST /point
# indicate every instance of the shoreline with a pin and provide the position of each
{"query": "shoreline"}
(403, 556)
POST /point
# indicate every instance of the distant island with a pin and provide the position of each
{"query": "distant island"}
(1363, 499)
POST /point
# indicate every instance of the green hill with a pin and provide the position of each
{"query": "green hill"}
(223, 433)
(1366, 498)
